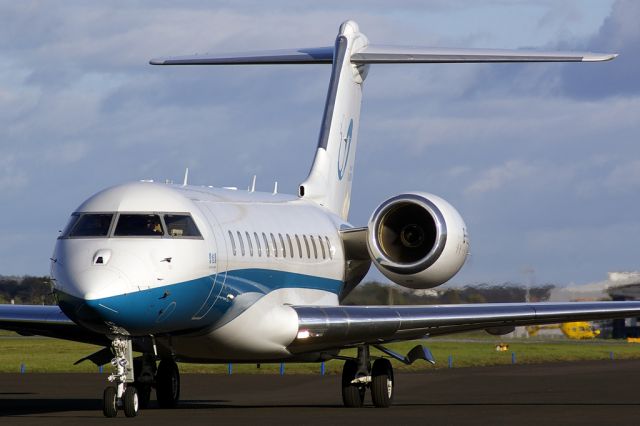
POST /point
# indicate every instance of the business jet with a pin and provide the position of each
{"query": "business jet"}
(185, 273)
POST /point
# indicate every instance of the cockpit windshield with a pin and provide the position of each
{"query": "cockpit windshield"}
(139, 225)
(91, 225)
(161, 225)
(181, 225)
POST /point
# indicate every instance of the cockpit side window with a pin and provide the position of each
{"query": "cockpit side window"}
(139, 225)
(91, 225)
(70, 224)
(181, 225)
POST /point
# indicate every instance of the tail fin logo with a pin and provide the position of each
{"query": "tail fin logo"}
(343, 155)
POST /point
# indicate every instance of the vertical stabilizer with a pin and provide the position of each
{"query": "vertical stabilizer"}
(331, 175)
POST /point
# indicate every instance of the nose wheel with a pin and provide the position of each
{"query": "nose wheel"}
(124, 393)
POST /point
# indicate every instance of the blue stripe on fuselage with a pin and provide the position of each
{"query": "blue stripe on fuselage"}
(172, 308)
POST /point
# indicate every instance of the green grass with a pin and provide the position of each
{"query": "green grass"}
(52, 355)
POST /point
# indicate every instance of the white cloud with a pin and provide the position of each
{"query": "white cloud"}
(497, 177)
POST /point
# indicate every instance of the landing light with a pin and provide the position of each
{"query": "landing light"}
(303, 334)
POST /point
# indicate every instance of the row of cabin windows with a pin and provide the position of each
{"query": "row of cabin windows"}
(320, 246)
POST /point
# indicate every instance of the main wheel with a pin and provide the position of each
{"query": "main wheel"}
(143, 388)
(110, 402)
(352, 395)
(130, 401)
(144, 394)
(382, 383)
(167, 384)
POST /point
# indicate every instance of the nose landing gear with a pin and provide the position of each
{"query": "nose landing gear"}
(133, 380)
(124, 393)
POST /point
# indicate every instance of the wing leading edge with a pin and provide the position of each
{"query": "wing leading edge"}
(330, 327)
(47, 321)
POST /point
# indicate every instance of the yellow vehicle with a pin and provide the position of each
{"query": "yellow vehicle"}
(579, 330)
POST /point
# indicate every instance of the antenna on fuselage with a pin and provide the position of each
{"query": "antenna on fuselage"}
(253, 184)
(186, 177)
(275, 188)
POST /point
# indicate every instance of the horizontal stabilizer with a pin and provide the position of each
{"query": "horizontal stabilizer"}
(380, 54)
(313, 55)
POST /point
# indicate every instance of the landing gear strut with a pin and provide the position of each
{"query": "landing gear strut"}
(358, 375)
(124, 393)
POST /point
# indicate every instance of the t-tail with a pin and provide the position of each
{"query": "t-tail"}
(329, 181)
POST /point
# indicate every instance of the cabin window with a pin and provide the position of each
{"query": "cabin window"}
(284, 250)
(306, 244)
(249, 243)
(313, 244)
(240, 242)
(324, 253)
(329, 247)
(255, 235)
(181, 225)
(266, 244)
(275, 246)
(290, 246)
(233, 243)
(90, 225)
(138, 225)
(299, 246)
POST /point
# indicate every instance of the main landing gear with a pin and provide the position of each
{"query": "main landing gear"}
(358, 375)
(133, 380)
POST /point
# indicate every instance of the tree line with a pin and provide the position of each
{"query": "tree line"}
(376, 293)
(26, 290)
(34, 290)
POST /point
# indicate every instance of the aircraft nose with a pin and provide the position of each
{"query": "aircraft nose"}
(91, 290)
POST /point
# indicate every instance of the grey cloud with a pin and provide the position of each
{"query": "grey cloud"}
(620, 33)
(85, 111)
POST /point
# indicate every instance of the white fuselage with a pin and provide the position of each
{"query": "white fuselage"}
(222, 295)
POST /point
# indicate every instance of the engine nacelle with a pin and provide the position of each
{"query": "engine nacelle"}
(417, 240)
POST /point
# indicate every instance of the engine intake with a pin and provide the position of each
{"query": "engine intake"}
(417, 240)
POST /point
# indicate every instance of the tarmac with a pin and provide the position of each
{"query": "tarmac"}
(584, 393)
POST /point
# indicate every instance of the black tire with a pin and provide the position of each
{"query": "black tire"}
(352, 395)
(130, 401)
(144, 389)
(110, 402)
(167, 384)
(144, 394)
(382, 384)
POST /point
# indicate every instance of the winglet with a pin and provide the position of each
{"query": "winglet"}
(599, 57)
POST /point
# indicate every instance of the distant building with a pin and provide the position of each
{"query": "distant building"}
(619, 285)
(625, 285)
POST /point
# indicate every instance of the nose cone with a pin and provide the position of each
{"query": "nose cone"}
(86, 301)
(102, 283)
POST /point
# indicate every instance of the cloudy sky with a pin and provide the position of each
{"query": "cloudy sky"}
(542, 160)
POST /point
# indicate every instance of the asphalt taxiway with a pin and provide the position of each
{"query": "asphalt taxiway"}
(585, 393)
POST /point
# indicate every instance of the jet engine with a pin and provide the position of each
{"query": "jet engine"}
(417, 240)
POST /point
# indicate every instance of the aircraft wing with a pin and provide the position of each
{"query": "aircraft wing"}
(47, 321)
(331, 327)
